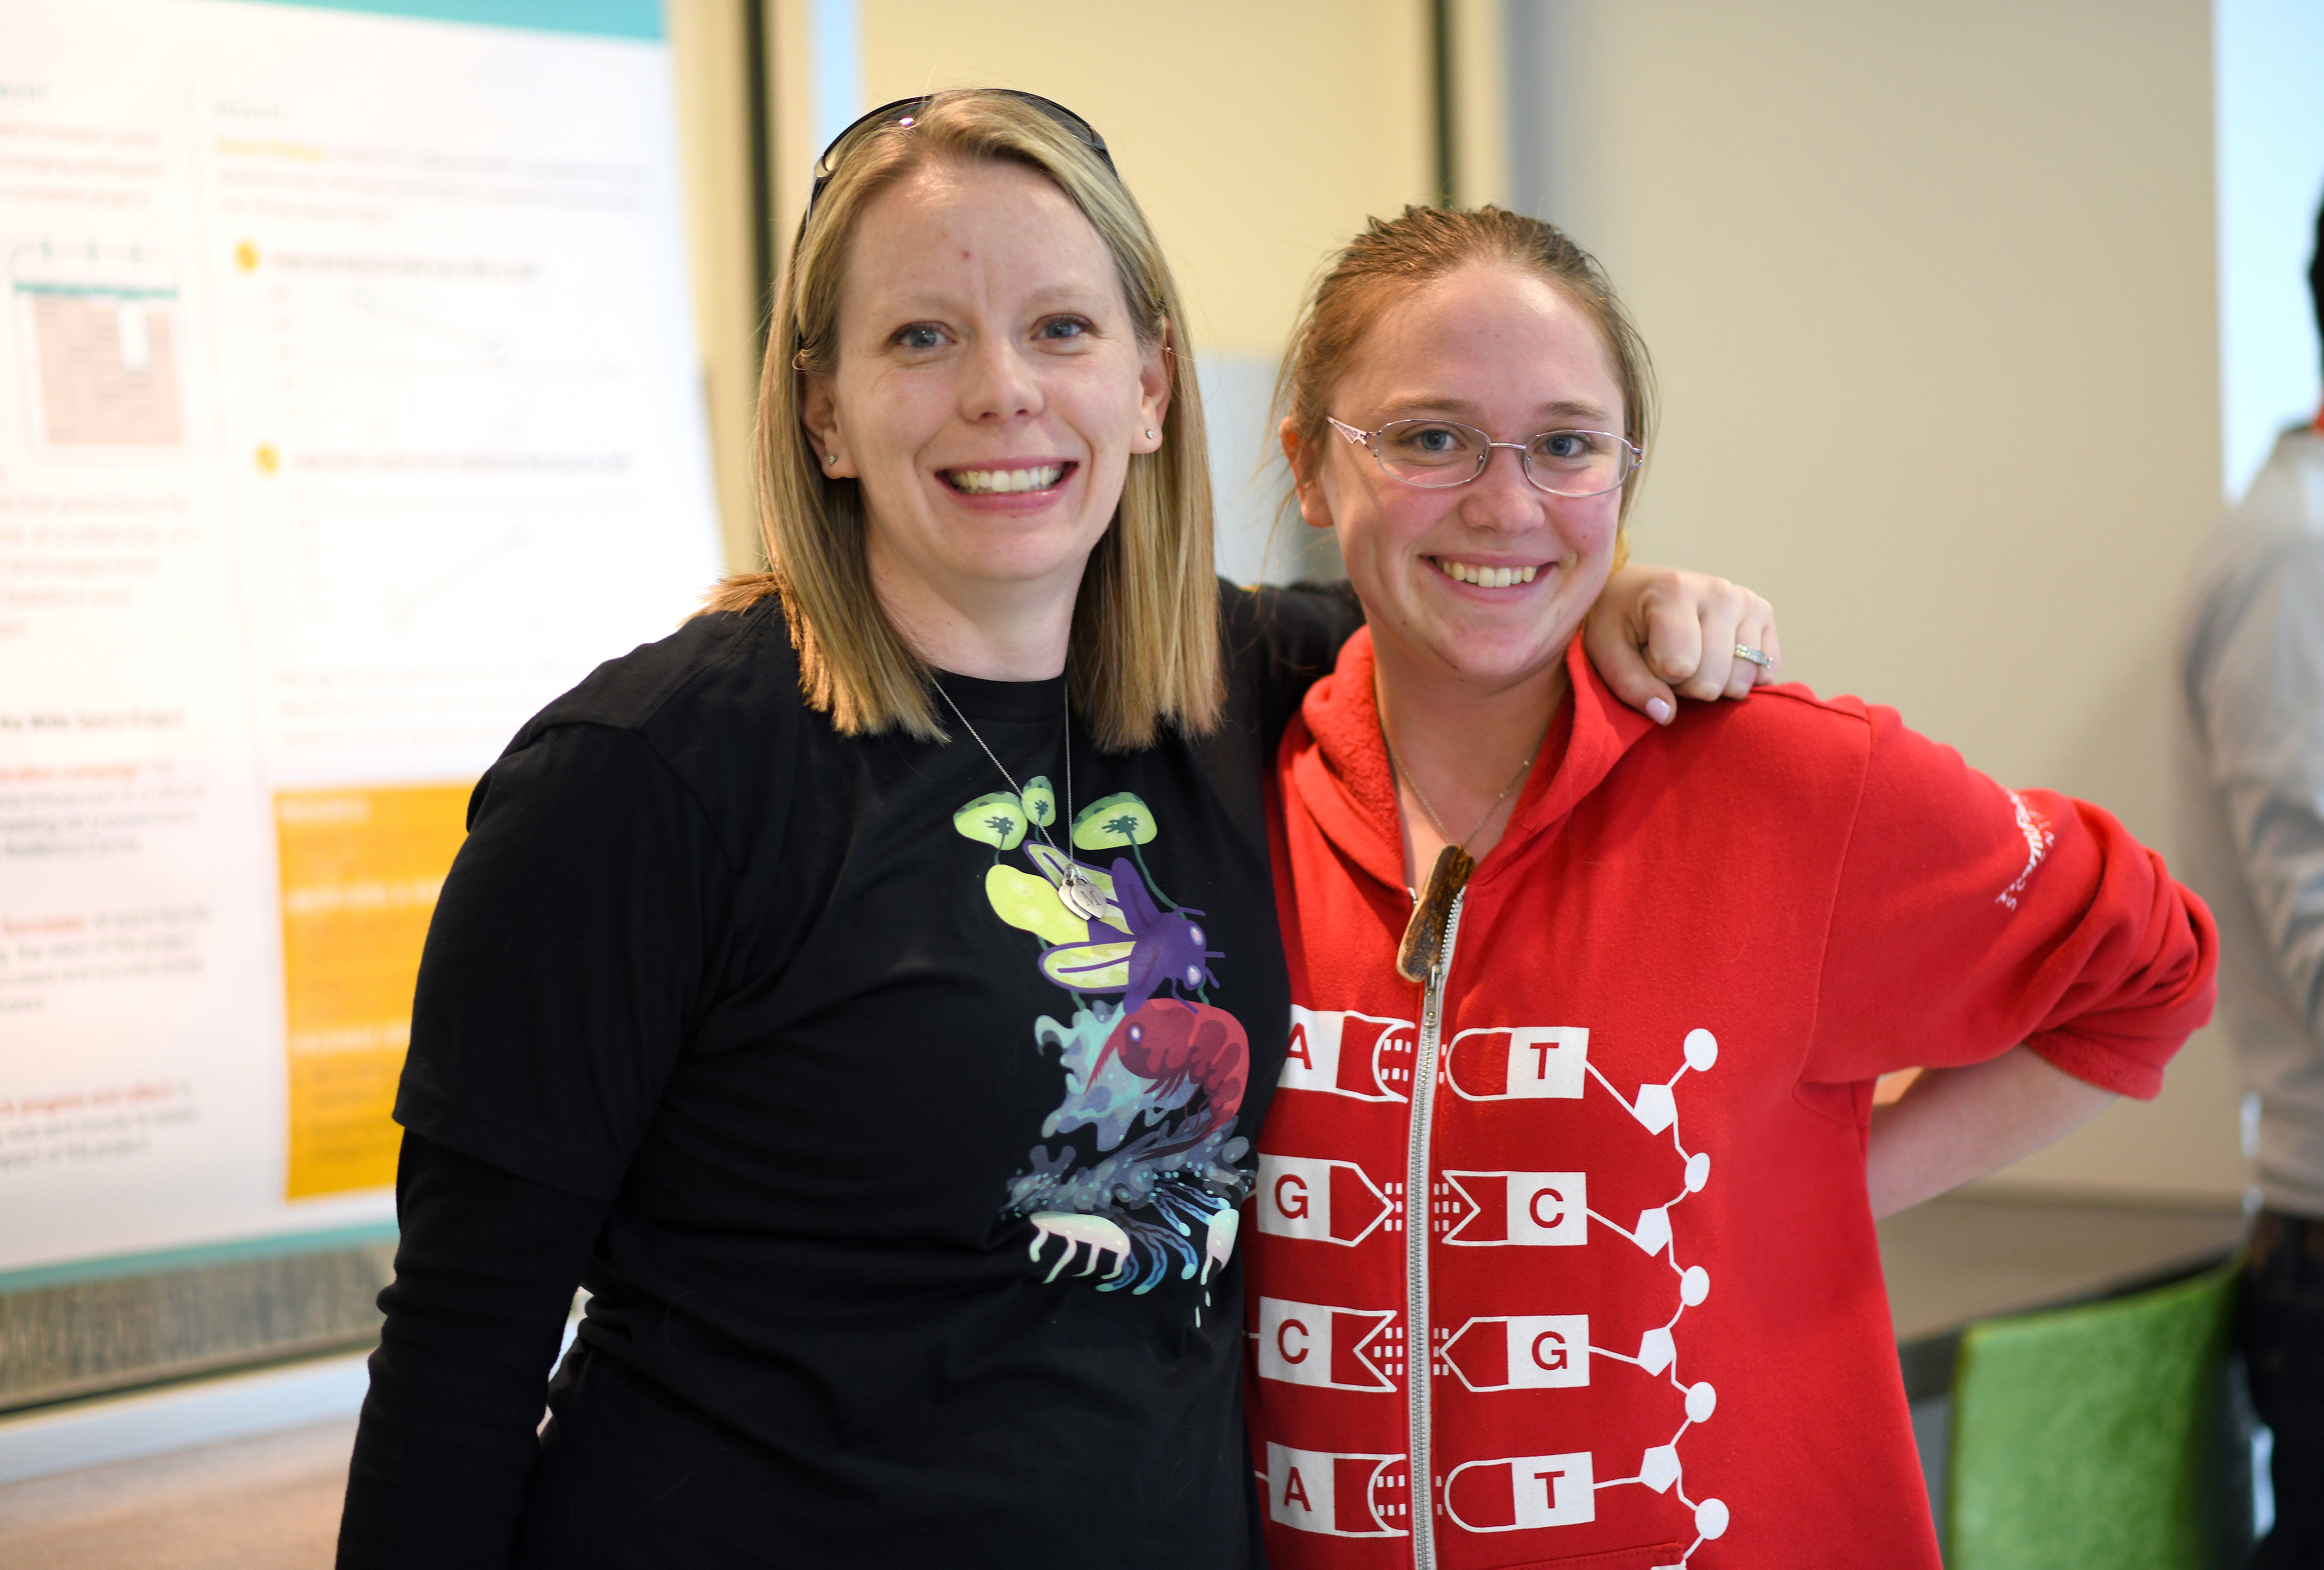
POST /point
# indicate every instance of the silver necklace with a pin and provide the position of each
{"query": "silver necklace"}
(1408, 779)
(1416, 957)
(1075, 890)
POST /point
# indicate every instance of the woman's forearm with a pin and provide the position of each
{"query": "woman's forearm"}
(1954, 1124)
(483, 1275)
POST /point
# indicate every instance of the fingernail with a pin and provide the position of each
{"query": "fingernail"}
(1658, 711)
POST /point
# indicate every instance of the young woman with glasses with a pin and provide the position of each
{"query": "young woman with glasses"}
(1563, 1251)
(871, 992)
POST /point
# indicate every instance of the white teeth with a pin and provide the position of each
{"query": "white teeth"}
(1004, 481)
(1487, 576)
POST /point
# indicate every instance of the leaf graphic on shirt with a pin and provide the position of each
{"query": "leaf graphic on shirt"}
(1117, 822)
(1113, 822)
(998, 820)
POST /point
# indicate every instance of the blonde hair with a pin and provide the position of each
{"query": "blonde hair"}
(1394, 257)
(1144, 648)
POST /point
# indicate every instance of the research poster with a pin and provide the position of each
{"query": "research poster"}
(349, 410)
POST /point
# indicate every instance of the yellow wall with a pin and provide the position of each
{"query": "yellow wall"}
(708, 51)
(1256, 136)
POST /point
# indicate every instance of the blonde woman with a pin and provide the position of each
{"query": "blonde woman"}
(1562, 1248)
(870, 992)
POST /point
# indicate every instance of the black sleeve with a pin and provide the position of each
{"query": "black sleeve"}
(575, 943)
(484, 1274)
(1286, 638)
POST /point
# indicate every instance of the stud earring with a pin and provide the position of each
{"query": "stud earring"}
(831, 457)
(1150, 434)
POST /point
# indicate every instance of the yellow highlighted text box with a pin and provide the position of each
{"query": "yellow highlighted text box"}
(361, 868)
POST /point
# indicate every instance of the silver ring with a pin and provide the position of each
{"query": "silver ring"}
(1756, 656)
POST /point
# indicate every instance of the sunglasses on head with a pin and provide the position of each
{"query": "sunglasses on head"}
(903, 112)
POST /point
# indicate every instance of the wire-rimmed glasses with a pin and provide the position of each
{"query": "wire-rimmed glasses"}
(1438, 454)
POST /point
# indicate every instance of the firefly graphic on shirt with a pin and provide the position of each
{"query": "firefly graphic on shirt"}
(1151, 1065)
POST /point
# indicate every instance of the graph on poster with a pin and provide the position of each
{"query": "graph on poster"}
(349, 412)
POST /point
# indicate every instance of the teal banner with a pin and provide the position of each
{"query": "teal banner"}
(161, 1262)
(639, 19)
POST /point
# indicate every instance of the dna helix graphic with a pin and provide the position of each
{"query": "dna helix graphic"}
(1336, 1202)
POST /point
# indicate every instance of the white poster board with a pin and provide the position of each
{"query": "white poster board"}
(349, 410)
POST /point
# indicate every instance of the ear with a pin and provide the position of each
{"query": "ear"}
(1155, 363)
(1313, 509)
(819, 413)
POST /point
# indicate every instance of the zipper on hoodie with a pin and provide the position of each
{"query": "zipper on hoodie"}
(1419, 1226)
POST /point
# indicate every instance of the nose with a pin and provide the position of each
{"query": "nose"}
(999, 385)
(1501, 498)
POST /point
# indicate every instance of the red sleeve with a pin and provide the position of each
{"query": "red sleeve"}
(1969, 918)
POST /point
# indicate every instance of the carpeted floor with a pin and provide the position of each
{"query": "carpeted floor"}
(269, 1503)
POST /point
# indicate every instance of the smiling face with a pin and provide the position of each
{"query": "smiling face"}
(1484, 583)
(990, 390)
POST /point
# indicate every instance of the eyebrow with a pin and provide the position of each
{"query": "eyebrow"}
(1408, 407)
(941, 301)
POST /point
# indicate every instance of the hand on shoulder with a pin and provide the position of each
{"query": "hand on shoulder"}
(1659, 633)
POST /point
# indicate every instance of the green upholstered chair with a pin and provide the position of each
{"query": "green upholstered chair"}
(2099, 1436)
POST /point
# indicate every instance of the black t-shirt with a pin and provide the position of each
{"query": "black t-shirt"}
(918, 1187)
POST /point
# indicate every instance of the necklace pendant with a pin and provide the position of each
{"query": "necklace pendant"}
(1424, 935)
(1079, 895)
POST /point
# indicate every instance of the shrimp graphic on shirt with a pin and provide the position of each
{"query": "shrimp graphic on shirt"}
(1152, 1067)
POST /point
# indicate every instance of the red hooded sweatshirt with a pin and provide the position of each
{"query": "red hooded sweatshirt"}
(1635, 1099)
